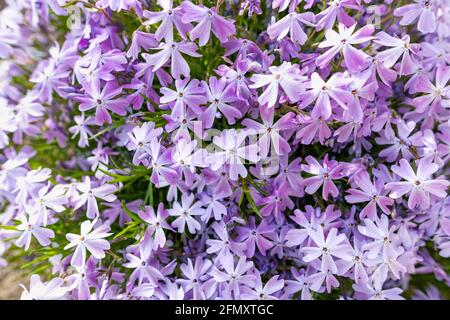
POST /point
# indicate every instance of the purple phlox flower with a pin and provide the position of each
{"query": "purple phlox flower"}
(317, 279)
(363, 89)
(187, 157)
(185, 213)
(224, 245)
(333, 246)
(65, 54)
(243, 47)
(156, 224)
(312, 128)
(422, 9)
(292, 24)
(398, 48)
(32, 227)
(49, 77)
(355, 60)
(143, 270)
(234, 275)
(371, 192)
(386, 75)
(102, 100)
(276, 202)
(373, 290)
(289, 172)
(287, 76)
(259, 292)
(47, 200)
(90, 239)
(324, 174)
(172, 51)
(220, 98)
(336, 9)
(269, 133)
(144, 72)
(160, 162)
(82, 279)
(253, 6)
(197, 278)
(402, 143)
(183, 125)
(141, 40)
(142, 93)
(52, 290)
(357, 266)
(237, 81)
(97, 65)
(418, 184)
(233, 153)
(383, 238)
(170, 291)
(30, 184)
(296, 236)
(100, 157)
(207, 20)
(89, 194)
(321, 92)
(279, 241)
(81, 128)
(168, 16)
(300, 284)
(388, 265)
(140, 140)
(435, 94)
(255, 236)
(435, 53)
(214, 207)
(190, 94)
(429, 147)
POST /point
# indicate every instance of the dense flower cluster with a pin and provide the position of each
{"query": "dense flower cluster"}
(249, 149)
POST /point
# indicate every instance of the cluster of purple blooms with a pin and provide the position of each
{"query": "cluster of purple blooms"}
(283, 149)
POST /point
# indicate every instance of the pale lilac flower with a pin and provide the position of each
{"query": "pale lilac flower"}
(355, 60)
(260, 292)
(234, 275)
(89, 195)
(32, 227)
(221, 98)
(52, 290)
(333, 246)
(156, 224)
(324, 174)
(184, 213)
(233, 153)
(269, 132)
(291, 24)
(172, 50)
(90, 239)
(46, 200)
(81, 128)
(369, 192)
(424, 10)
(418, 184)
(398, 48)
(168, 17)
(140, 140)
(208, 20)
(286, 76)
(322, 92)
